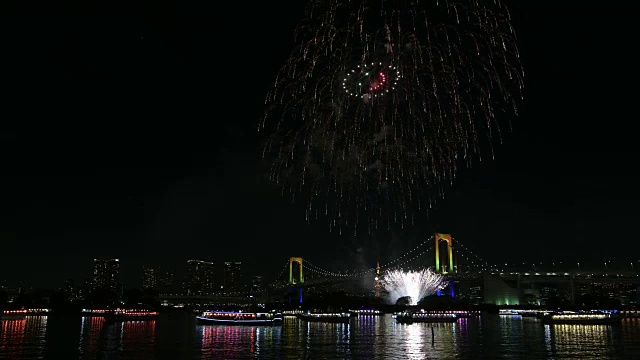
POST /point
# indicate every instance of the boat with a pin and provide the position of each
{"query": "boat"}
(38, 312)
(522, 313)
(582, 317)
(509, 312)
(325, 317)
(95, 312)
(631, 314)
(292, 312)
(239, 318)
(532, 314)
(13, 314)
(463, 314)
(366, 312)
(121, 315)
(428, 317)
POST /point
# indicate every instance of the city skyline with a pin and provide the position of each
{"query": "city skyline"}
(200, 277)
(136, 139)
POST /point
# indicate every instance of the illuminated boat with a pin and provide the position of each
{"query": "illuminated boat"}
(38, 312)
(13, 314)
(292, 312)
(522, 313)
(586, 317)
(509, 312)
(120, 315)
(464, 314)
(428, 316)
(239, 318)
(96, 312)
(325, 317)
(366, 312)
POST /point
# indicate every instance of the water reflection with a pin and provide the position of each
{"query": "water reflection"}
(90, 330)
(582, 341)
(629, 334)
(137, 338)
(330, 338)
(12, 338)
(292, 334)
(236, 342)
(363, 336)
(548, 346)
(413, 342)
(511, 327)
(35, 333)
(23, 339)
(177, 336)
(462, 330)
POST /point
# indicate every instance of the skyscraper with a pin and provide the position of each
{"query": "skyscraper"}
(106, 278)
(150, 277)
(232, 276)
(257, 283)
(199, 279)
(166, 282)
(70, 291)
(158, 279)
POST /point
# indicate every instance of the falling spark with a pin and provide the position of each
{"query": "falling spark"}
(382, 103)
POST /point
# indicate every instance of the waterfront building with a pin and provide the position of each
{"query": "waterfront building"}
(232, 276)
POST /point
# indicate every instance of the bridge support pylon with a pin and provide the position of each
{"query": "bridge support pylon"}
(449, 240)
(294, 292)
(300, 278)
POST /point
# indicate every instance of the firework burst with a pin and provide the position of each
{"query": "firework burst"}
(415, 284)
(383, 101)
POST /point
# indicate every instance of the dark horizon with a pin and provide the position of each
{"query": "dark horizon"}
(135, 137)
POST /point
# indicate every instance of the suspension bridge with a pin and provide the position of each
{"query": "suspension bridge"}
(442, 253)
(430, 253)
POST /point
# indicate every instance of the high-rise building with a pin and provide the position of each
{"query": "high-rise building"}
(232, 275)
(257, 283)
(156, 278)
(199, 279)
(106, 277)
(70, 291)
(150, 277)
(84, 290)
(166, 282)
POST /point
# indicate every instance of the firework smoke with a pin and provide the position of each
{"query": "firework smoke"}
(415, 284)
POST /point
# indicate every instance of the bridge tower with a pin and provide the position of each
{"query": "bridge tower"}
(300, 277)
(294, 292)
(378, 279)
(444, 237)
(444, 270)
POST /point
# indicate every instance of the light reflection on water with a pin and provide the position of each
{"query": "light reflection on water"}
(20, 339)
(367, 337)
(90, 329)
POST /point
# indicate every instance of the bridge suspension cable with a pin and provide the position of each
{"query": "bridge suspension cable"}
(284, 269)
(470, 255)
(406, 258)
(415, 253)
(318, 270)
(407, 253)
(407, 261)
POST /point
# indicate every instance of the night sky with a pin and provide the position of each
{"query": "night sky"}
(136, 137)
